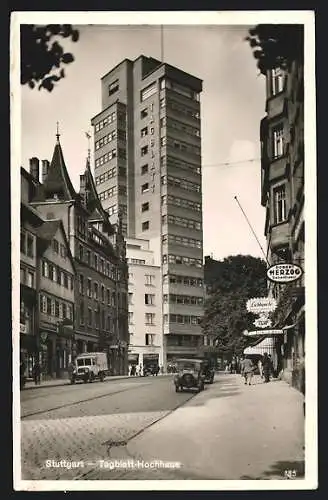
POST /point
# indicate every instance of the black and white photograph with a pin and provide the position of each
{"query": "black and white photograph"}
(163, 175)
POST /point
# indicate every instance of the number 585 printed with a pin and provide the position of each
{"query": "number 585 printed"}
(290, 474)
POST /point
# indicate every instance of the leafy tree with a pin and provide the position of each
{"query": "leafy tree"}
(42, 55)
(276, 45)
(230, 284)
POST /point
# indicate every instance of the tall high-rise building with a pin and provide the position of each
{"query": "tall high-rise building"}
(147, 141)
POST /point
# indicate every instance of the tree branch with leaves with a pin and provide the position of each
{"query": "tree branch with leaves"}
(42, 56)
(276, 45)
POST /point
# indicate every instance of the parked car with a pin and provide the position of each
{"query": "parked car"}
(89, 367)
(190, 375)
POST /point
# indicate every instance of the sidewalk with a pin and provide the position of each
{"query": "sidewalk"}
(231, 431)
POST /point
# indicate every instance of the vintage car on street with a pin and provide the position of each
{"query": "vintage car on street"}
(90, 366)
(190, 375)
(209, 372)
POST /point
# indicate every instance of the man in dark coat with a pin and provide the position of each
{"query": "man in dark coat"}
(37, 373)
(267, 367)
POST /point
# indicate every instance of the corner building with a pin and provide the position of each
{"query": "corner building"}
(282, 174)
(98, 252)
(148, 170)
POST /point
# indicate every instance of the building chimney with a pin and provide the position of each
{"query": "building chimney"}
(34, 168)
(45, 169)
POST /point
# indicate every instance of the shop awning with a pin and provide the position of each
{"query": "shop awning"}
(265, 345)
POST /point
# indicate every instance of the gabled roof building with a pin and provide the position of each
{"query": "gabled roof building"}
(97, 248)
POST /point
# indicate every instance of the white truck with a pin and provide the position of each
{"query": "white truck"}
(90, 366)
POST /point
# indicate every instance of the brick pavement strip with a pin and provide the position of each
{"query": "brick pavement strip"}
(75, 439)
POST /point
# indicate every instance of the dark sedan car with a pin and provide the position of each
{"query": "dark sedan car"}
(190, 375)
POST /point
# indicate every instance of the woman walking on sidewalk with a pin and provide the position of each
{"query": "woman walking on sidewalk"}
(247, 370)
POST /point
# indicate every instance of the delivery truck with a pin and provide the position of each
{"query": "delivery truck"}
(90, 366)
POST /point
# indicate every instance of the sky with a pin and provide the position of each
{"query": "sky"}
(232, 105)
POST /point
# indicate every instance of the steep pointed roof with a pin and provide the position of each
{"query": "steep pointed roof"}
(94, 205)
(57, 181)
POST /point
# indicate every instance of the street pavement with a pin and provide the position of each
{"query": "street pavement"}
(228, 431)
(58, 382)
(83, 421)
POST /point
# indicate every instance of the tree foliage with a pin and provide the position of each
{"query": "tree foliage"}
(231, 283)
(276, 45)
(42, 56)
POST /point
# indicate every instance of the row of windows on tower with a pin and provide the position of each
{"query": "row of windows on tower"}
(174, 239)
(182, 222)
(178, 221)
(176, 279)
(180, 260)
(110, 192)
(179, 126)
(182, 319)
(174, 182)
(179, 108)
(187, 300)
(110, 174)
(110, 155)
(182, 146)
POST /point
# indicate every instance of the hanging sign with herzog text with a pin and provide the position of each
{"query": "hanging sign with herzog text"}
(284, 273)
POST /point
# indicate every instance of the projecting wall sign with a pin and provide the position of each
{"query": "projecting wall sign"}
(284, 273)
(261, 305)
(262, 322)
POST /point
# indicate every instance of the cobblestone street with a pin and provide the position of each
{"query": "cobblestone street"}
(78, 423)
(227, 431)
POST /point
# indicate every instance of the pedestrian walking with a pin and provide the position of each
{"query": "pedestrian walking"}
(70, 370)
(267, 367)
(233, 366)
(37, 373)
(22, 368)
(247, 370)
(260, 367)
